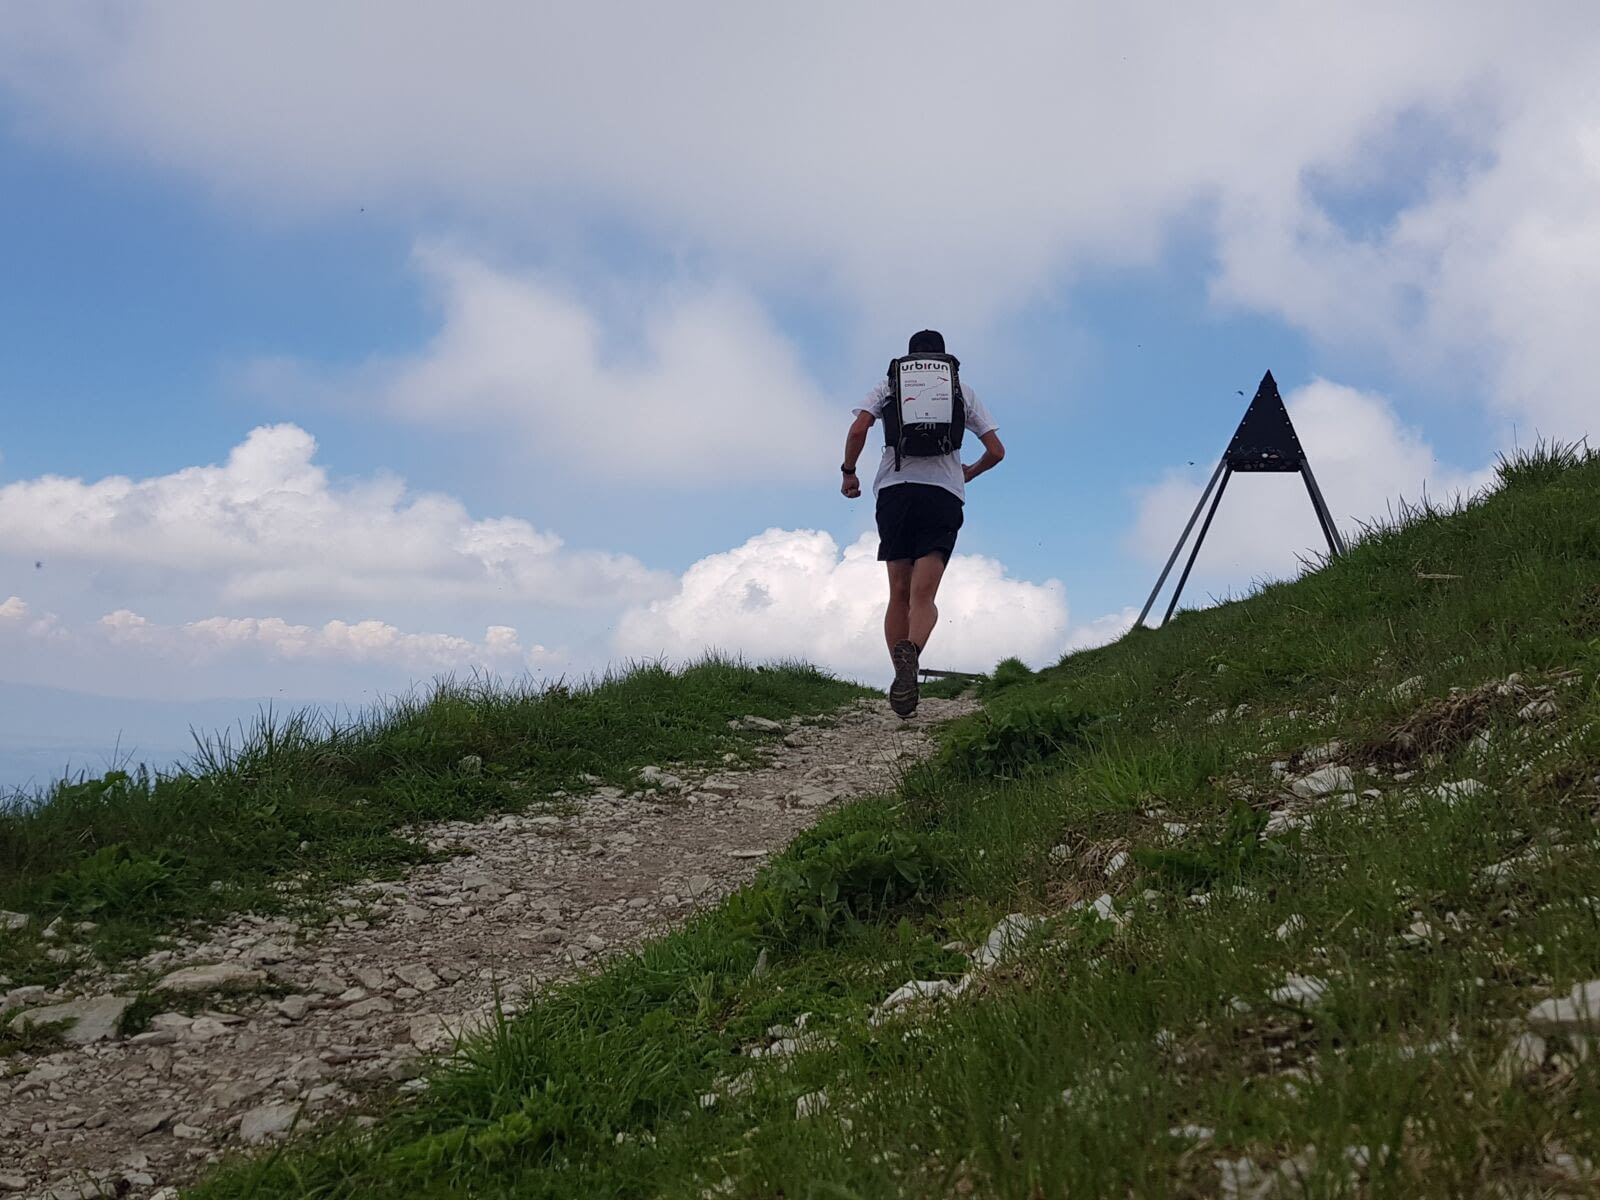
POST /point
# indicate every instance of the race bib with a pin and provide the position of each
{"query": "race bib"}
(926, 396)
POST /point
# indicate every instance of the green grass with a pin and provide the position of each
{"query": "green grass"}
(1072, 1069)
(301, 805)
(18, 1038)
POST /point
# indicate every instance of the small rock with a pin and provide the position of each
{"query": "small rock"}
(1538, 710)
(148, 1120)
(1302, 991)
(210, 978)
(1323, 782)
(370, 1007)
(1003, 938)
(418, 976)
(370, 978)
(810, 1105)
(1576, 1012)
(1525, 1054)
(96, 1019)
(470, 764)
(917, 991)
(205, 1029)
(259, 1124)
(1458, 790)
(11, 921)
(699, 885)
(757, 725)
(1407, 688)
(1290, 928)
(293, 1007)
(10, 1182)
(1119, 862)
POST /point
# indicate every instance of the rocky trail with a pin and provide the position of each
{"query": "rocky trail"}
(295, 1023)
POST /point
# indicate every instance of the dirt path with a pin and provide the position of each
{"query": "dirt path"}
(365, 999)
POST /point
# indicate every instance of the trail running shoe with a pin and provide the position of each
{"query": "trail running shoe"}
(903, 692)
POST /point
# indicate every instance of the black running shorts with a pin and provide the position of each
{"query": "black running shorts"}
(915, 519)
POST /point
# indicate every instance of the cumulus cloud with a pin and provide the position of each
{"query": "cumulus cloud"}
(1074, 130)
(1364, 458)
(791, 148)
(124, 651)
(269, 527)
(793, 594)
(360, 641)
(1488, 277)
(710, 393)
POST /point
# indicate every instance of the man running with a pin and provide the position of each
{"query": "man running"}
(920, 490)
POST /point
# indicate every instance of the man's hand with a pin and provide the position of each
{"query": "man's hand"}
(993, 452)
(851, 486)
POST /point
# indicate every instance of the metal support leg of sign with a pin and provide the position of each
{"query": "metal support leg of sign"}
(1176, 550)
(1198, 538)
(1324, 517)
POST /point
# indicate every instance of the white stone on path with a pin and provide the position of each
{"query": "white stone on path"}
(418, 976)
(96, 1019)
(12, 920)
(207, 978)
(259, 1124)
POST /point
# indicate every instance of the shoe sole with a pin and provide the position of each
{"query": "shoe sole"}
(903, 693)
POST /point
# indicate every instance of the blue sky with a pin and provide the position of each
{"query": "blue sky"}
(575, 347)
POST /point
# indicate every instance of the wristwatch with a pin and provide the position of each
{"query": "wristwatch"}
(848, 470)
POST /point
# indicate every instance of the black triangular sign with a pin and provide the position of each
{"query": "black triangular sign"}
(1265, 439)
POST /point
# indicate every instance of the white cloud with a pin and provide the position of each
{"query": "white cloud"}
(1103, 629)
(268, 527)
(904, 149)
(124, 652)
(933, 162)
(1489, 279)
(792, 594)
(1364, 459)
(710, 394)
(369, 641)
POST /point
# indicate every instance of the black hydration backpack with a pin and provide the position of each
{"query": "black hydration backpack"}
(925, 415)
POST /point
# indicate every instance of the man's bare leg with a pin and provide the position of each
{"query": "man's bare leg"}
(897, 632)
(897, 617)
(926, 573)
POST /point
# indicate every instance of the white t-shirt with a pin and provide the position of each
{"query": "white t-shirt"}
(943, 470)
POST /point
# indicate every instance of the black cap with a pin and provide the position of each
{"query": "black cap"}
(928, 341)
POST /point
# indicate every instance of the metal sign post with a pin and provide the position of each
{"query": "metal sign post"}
(1264, 442)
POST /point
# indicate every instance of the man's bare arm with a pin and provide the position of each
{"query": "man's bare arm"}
(993, 451)
(854, 442)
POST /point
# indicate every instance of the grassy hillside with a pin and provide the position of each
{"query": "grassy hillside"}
(1273, 997)
(300, 806)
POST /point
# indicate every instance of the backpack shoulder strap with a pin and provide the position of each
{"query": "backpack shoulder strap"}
(893, 426)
